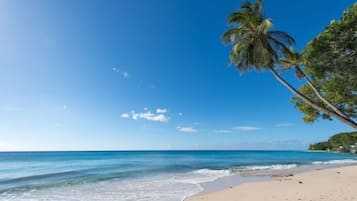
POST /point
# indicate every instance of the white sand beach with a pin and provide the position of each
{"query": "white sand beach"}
(336, 184)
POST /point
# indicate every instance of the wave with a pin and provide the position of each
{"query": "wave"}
(41, 181)
(178, 184)
(335, 162)
(202, 176)
(41, 176)
(212, 173)
(270, 167)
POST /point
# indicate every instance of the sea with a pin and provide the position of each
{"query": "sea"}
(146, 175)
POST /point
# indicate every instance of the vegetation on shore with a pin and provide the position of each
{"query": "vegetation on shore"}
(342, 142)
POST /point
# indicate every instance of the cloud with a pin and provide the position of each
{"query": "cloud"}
(153, 117)
(6, 144)
(9, 146)
(122, 73)
(223, 131)
(125, 116)
(280, 125)
(180, 114)
(187, 129)
(161, 111)
(237, 129)
(246, 128)
(158, 116)
(125, 74)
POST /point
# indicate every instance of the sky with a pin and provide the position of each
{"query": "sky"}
(137, 74)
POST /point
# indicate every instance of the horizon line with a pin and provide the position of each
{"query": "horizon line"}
(148, 150)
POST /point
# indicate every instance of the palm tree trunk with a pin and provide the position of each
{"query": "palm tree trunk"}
(311, 103)
(319, 95)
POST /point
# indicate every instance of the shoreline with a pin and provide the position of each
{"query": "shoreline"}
(150, 176)
(328, 184)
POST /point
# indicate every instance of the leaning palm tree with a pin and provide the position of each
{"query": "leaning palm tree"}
(294, 59)
(255, 46)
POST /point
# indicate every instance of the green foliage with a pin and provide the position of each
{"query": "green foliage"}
(310, 114)
(331, 64)
(344, 140)
(321, 146)
(253, 44)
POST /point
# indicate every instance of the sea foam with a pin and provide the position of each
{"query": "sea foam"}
(335, 162)
(271, 167)
(165, 187)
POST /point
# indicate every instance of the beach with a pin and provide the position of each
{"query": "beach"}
(327, 184)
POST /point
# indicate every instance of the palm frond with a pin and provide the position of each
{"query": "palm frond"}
(278, 44)
(264, 26)
(282, 36)
(270, 53)
(233, 34)
(285, 63)
(253, 43)
(237, 18)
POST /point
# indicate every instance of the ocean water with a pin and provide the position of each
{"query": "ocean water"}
(140, 175)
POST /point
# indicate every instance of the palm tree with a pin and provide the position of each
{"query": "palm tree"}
(256, 46)
(294, 59)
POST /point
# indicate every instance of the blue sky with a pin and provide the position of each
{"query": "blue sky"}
(135, 74)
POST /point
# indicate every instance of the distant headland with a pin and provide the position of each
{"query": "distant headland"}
(341, 142)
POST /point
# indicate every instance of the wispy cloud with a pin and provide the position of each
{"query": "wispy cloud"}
(161, 111)
(125, 116)
(280, 125)
(158, 116)
(223, 131)
(237, 129)
(5, 146)
(245, 128)
(186, 129)
(122, 73)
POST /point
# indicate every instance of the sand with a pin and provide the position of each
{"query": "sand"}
(337, 184)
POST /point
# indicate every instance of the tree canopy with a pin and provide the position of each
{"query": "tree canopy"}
(340, 142)
(331, 64)
(254, 45)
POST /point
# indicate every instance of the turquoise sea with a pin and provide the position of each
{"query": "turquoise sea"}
(142, 175)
